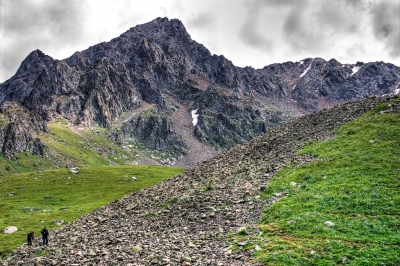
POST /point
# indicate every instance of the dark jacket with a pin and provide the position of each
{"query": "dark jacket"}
(45, 233)
(30, 237)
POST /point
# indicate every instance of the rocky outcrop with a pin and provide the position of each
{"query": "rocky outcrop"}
(17, 129)
(20, 85)
(156, 132)
(225, 121)
(186, 220)
(158, 63)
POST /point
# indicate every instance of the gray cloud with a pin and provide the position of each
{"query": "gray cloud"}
(29, 25)
(250, 36)
(313, 26)
(386, 25)
(253, 37)
(297, 33)
(249, 33)
(202, 20)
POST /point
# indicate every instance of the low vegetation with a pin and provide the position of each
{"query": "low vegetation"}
(91, 147)
(31, 200)
(343, 208)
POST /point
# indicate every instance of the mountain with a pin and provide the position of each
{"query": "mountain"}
(200, 216)
(155, 87)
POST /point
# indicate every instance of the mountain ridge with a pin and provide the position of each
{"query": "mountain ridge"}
(155, 70)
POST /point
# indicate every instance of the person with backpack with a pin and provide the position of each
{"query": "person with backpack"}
(45, 236)
(30, 238)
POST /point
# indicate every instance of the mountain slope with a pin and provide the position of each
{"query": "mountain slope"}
(191, 218)
(343, 207)
(58, 196)
(136, 84)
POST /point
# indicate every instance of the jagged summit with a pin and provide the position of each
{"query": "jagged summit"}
(35, 62)
(171, 27)
(160, 30)
(144, 85)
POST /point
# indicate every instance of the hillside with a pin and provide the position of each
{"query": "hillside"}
(155, 88)
(210, 214)
(56, 197)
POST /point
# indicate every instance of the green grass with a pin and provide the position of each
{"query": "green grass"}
(22, 163)
(98, 138)
(355, 184)
(90, 147)
(72, 146)
(43, 197)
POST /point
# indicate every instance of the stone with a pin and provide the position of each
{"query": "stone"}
(10, 229)
(73, 171)
(329, 224)
(58, 222)
(244, 243)
(188, 259)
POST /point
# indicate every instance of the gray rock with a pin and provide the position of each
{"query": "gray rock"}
(10, 229)
(58, 222)
(329, 224)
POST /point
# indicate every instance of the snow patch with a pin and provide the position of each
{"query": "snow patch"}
(294, 87)
(195, 117)
(301, 62)
(397, 91)
(308, 68)
(355, 70)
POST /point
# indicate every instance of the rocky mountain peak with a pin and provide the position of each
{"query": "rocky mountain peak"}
(160, 26)
(35, 62)
(148, 80)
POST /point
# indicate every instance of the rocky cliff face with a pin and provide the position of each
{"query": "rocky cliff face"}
(17, 127)
(156, 131)
(158, 65)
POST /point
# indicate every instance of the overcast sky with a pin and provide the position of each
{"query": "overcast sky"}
(248, 32)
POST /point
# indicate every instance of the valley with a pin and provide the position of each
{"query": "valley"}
(291, 196)
(183, 158)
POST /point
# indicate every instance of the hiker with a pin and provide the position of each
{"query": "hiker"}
(30, 238)
(45, 236)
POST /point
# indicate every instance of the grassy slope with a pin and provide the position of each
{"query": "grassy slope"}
(355, 185)
(43, 197)
(80, 148)
(90, 148)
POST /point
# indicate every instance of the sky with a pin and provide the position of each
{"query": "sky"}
(248, 32)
